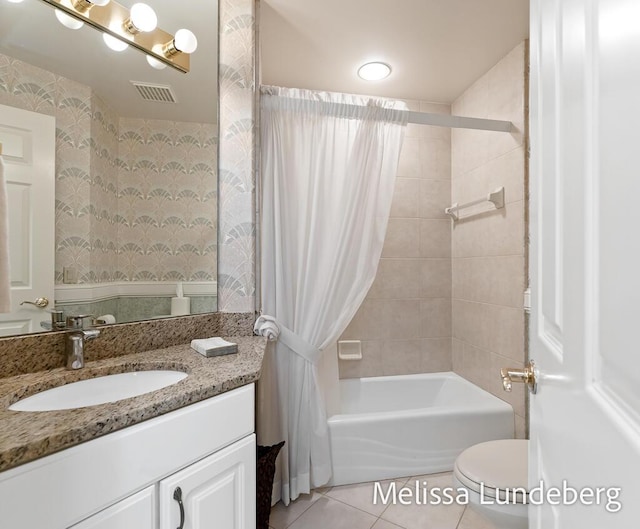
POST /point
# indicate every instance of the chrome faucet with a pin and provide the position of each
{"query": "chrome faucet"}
(74, 341)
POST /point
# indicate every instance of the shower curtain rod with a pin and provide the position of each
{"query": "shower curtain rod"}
(423, 118)
(459, 122)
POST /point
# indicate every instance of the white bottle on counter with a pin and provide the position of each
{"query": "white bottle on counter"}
(180, 305)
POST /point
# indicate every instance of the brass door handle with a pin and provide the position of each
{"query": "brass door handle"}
(41, 303)
(527, 375)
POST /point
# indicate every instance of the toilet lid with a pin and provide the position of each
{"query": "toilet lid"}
(498, 465)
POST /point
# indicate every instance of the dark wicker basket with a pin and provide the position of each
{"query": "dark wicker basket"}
(265, 471)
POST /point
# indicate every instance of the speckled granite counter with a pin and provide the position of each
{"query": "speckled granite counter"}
(25, 436)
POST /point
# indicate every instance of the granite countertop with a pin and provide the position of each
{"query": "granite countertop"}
(25, 436)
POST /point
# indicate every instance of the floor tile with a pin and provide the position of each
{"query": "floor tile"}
(282, 517)
(383, 524)
(361, 495)
(327, 513)
(473, 520)
(420, 516)
(322, 490)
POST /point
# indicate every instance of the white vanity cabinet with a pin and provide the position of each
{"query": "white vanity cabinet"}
(138, 511)
(127, 479)
(218, 491)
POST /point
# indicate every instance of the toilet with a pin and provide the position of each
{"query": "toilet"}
(489, 471)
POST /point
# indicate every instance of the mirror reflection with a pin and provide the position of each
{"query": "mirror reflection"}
(110, 169)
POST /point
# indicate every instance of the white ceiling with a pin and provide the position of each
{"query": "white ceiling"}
(436, 48)
(29, 31)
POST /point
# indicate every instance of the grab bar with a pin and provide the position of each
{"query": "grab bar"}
(496, 198)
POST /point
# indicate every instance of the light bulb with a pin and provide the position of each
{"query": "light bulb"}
(16, 1)
(142, 18)
(155, 63)
(374, 71)
(85, 5)
(114, 43)
(185, 41)
(67, 20)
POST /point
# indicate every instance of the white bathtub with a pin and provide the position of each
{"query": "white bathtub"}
(408, 425)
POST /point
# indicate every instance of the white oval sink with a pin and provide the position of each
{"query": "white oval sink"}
(99, 390)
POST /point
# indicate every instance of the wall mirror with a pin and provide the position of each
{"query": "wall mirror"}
(110, 166)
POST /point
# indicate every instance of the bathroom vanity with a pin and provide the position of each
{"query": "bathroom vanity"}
(179, 457)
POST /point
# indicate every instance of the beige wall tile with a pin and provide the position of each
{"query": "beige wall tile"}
(435, 238)
(497, 232)
(495, 280)
(504, 171)
(409, 164)
(398, 279)
(435, 278)
(405, 198)
(395, 357)
(435, 318)
(490, 327)
(436, 355)
(435, 159)
(433, 197)
(380, 319)
(402, 238)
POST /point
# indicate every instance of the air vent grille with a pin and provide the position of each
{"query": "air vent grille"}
(154, 92)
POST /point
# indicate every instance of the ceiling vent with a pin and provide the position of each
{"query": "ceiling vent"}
(154, 92)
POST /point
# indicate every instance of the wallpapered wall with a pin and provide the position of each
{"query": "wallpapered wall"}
(236, 79)
(135, 199)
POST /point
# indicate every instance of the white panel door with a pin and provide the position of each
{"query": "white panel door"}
(28, 152)
(585, 261)
(218, 491)
(138, 511)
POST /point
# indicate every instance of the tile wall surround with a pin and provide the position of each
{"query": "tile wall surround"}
(489, 249)
(236, 187)
(405, 321)
(37, 352)
(450, 296)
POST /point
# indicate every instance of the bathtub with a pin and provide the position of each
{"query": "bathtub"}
(407, 425)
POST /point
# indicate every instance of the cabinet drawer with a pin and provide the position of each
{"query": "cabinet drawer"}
(137, 511)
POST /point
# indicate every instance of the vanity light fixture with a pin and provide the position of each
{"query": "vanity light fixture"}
(123, 27)
(374, 71)
(143, 18)
(68, 21)
(114, 43)
(84, 5)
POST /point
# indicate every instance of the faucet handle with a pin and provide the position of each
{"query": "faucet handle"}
(75, 322)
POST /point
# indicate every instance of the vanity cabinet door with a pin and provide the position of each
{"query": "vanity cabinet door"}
(216, 492)
(137, 511)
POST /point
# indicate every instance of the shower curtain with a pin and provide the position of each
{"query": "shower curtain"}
(328, 164)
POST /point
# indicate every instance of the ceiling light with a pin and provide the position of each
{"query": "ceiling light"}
(16, 1)
(67, 21)
(114, 43)
(142, 18)
(374, 71)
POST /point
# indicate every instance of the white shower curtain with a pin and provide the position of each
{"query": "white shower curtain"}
(328, 171)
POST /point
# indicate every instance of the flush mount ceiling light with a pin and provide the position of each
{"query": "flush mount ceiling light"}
(374, 71)
(123, 27)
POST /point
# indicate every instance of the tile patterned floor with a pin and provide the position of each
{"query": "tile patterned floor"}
(351, 507)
